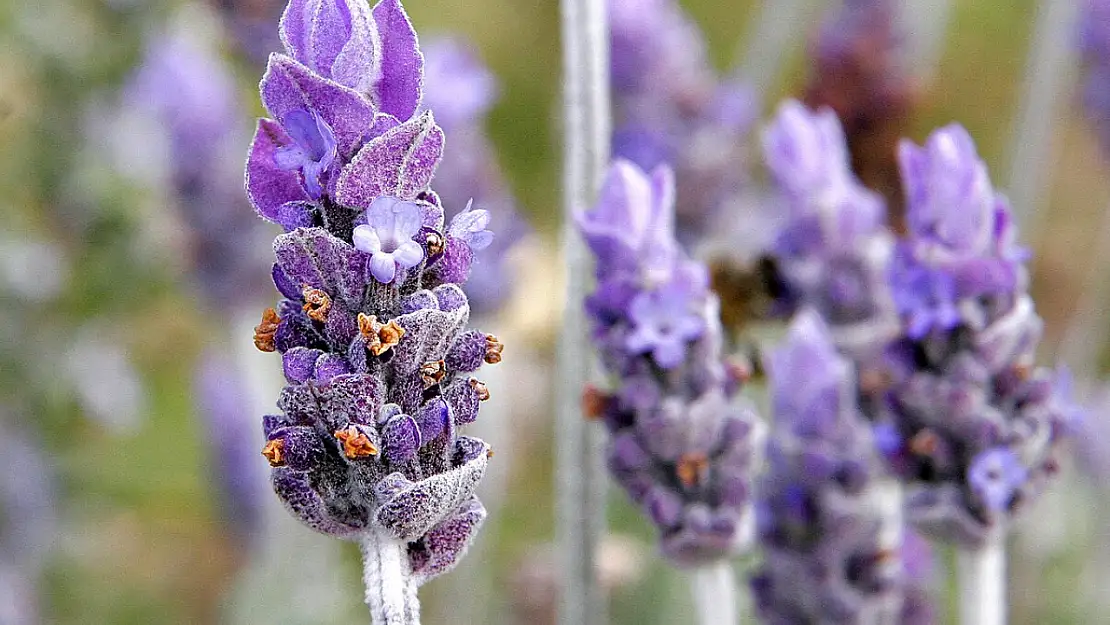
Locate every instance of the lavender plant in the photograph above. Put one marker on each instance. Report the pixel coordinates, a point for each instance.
(975, 426)
(832, 249)
(681, 444)
(372, 327)
(829, 532)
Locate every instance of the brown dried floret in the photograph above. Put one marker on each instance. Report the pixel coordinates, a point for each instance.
(317, 304)
(380, 337)
(432, 373)
(480, 389)
(494, 347)
(356, 444)
(264, 332)
(273, 451)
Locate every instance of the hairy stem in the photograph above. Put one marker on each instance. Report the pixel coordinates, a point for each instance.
(579, 471)
(982, 578)
(714, 590)
(390, 589)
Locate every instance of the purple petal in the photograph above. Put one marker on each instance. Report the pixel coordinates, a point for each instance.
(409, 254)
(288, 86)
(400, 87)
(268, 185)
(383, 267)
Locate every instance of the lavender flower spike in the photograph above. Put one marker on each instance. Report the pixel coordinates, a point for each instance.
(832, 251)
(681, 444)
(372, 327)
(976, 425)
(829, 554)
(1094, 46)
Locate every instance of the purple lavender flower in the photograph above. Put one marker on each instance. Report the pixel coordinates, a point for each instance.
(832, 250)
(388, 237)
(312, 151)
(829, 554)
(682, 446)
(461, 90)
(671, 108)
(372, 327)
(978, 425)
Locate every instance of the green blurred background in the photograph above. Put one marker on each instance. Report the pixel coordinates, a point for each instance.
(138, 536)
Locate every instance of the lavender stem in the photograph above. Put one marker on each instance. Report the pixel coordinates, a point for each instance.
(714, 590)
(579, 471)
(982, 576)
(390, 589)
(1049, 72)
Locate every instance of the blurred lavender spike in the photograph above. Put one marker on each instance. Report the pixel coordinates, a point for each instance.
(224, 406)
(580, 478)
(861, 69)
(829, 532)
(251, 24)
(1094, 48)
(671, 108)
(190, 89)
(832, 250)
(461, 90)
(1050, 72)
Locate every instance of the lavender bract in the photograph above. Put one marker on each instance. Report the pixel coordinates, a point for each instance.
(973, 426)
(681, 444)
(373, 325)
(825, 524)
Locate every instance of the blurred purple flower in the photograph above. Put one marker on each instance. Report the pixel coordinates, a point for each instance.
(681, 444)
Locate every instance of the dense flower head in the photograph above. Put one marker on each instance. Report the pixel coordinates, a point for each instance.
(830, 554)
(1094, 46)
(372, 327)
(681, 445)
(832, 249)
(961, 241)
(461, 90)
(969, 422)
(671, 108)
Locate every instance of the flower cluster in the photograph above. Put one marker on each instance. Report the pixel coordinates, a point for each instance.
(1094, 46)
(859, 71)
(373, 325)
(832, 250)
(682, 445)
(672, 109)
(830, 532)
(969, 421)
(461, 90)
